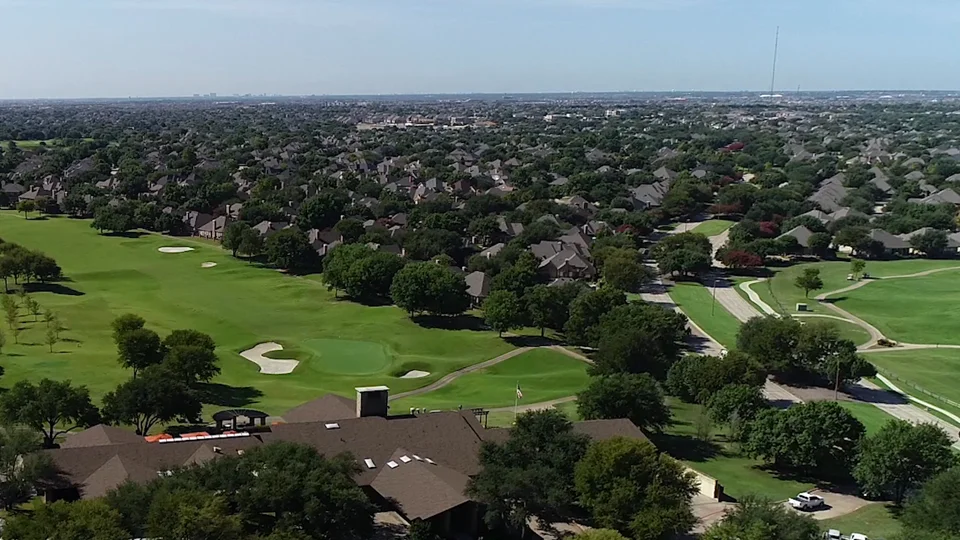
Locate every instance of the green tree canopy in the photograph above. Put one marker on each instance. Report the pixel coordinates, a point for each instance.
(755, 518)
(585, 312)
(624, 395)
(639, 338)
(429, 288)
(154, 397)
(53, 408)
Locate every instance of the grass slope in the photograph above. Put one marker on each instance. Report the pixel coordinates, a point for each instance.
(712, 227)
(870, 416)
(719, 458)
(543, 375)
(238, 304)
(697, 302)
(934, 370)
(916, 310)
(875, 521)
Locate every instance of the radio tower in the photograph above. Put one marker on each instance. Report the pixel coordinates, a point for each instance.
(776, 47)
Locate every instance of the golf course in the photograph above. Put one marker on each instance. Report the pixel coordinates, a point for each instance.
(339, 344)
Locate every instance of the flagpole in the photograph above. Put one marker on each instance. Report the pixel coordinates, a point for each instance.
(516, 402)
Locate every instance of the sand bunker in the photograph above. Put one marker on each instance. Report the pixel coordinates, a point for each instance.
(415, 374)
(174, 249)
(208, 265)
(269, 366)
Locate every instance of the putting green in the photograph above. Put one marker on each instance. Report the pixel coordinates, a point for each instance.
(345, 357)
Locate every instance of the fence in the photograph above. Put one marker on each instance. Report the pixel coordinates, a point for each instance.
(924, 391)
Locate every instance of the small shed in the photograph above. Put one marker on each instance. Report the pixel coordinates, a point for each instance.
(237, 418)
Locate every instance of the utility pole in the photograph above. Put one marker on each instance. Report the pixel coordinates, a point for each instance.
(776, 50)
(713, 306)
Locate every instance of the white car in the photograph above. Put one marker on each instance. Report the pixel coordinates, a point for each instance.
(806, 501)
(833, 534)
(858, 536)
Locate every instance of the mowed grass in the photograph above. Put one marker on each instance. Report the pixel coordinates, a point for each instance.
(237, 303)
(869, 415)
(876, 521)
(543, 375)
(34, 144)
(697, 303)
(916, 310)
(721, 459)
(712, 227)
(846, 329)
(934, 370)
(782, 295)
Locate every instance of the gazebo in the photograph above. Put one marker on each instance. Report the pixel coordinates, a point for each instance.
(236, 418)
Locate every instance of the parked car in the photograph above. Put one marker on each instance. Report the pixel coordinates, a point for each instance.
(858, 536)
(833, 534)
(806, 501)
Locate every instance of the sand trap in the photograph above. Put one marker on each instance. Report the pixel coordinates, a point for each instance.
(269, 366)
(415, 374)
(174, 249)
(208, 265)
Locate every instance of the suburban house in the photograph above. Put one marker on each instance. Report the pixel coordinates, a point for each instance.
(649, 195)
(413, 466)
(270, 228)
(945, 196)
(892, 245)
(564, 260)
(214, 228)
(831, 192)
(801, 233)
(195, 220)
(478, 287)
(324, 241)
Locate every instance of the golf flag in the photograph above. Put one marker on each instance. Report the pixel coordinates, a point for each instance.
(519, 393)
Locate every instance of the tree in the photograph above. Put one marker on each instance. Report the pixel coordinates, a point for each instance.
(639, 338)
(51, 407)
(26, 207)
(936, 508)
(809, 280)
(188, 514)
(900, 457)
(736, 405)
(585, 312)
(685, 253)
(350, 230)
(189, 338)
(113, 219)
(251, 243)
(371, 276)
(819, 243)
(695, 378)
(623, 270)
(756, 518)
(62, 520)
(549, 307)
(503, 311)
(290, 249)
(191, 364)
(425, 244)
(624, 395)
(531, 473)
(629, 487)
(51, 338)
(517, 277)
(931, 243)
(323, 210)
(857, 266)
(772, 340)
(139, 349)
(22, 468)
(233, 236)
(34, 308)
(820, 438)
(10, 310)
(738, 258)
(600, 534)
(154, 397)
(125, 323)
(3, 341)
(429, 288)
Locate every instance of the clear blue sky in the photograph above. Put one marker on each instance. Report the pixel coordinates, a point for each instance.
(120, 48)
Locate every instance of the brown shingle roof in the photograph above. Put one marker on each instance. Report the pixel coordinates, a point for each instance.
(420, 490)
(325, 408)
(100, 435)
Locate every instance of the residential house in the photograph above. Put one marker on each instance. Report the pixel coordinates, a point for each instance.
(324, 241)
(664, 174)
(510, 229)
(195, 220)
(478, 287)
(649, 195)
(945, 196)
(214, 228)
(801, 233)
(892, 245)
(270, 228)
(830, 193)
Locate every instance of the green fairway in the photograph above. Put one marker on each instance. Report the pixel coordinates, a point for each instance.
(543, 375)
(876, 521)
(720, 459)
(915, 310)
(847, 329)
(869, 415)
(341, 344)
(782, 295)
(696, 301)
(34, 144)
(934, 370)
(712, 227)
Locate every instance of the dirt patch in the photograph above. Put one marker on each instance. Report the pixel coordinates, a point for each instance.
(208, 265)
(269, 366)
(180, 249)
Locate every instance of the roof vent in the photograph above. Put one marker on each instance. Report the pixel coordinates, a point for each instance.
(393, 464)
(430, 461)
(405, 459)
(333, 425)
(369, 463)
(217, 450)
(416, 457)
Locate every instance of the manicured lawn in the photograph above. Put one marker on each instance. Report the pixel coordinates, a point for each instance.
(721, 459)
(341, 344)
(506, 418)
(712, 227)
(848, 330)
(543, 375)
(782, 295)
(876, 521)
(916, 310)
(934, 370)
(697, 302)
(34, 144)
(870, 416)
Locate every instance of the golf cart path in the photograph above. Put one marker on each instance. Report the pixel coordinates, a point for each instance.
(450, 377)
(542, 406)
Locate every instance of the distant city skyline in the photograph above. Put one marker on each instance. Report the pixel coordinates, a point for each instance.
(160, 48)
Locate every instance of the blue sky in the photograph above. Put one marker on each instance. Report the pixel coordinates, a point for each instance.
(120, 48)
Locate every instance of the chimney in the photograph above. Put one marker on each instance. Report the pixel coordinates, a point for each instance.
(372, 401)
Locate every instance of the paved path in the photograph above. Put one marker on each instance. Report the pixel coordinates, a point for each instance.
(899, 408)
(542, 406)
(755, 298)
(450, 377)
(727, 296)
(701, 342)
